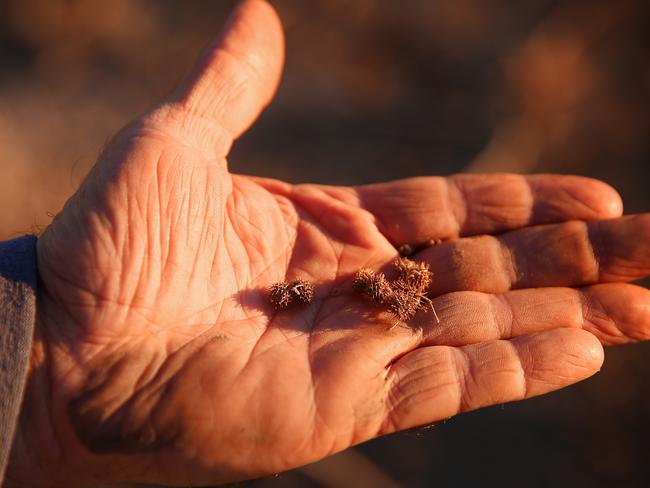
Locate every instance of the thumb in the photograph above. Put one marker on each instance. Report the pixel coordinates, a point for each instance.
(237, 74)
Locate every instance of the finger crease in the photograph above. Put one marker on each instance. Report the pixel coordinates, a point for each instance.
(461, 365)
(508, 263)
(457, 203)
(523, 387)
(502, 306)
(595, 248)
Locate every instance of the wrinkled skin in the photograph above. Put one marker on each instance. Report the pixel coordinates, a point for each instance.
(159, 359)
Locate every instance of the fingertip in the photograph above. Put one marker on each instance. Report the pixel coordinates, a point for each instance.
(237, 75)
(558, 358)
(600, 197)
(581, 352)
(255, 24)
(593, 351)
(611, 204)
(616, 204)
(256, 14)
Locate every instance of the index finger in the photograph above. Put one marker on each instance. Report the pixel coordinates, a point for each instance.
(416, 210)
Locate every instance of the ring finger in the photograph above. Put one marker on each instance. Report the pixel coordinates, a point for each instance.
(569, 254)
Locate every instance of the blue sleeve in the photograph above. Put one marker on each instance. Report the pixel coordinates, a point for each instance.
(18, 285)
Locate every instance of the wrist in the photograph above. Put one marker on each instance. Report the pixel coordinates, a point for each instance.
(37, 458)
(20, 349)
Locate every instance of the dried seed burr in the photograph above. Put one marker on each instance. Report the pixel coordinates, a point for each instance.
(361, 280)
(403, 304)
(279, 295)
(414, 278)
(302, 290)
(405, 296)
(372, 285)
(408, 250)
(403, 289)
(415, 274)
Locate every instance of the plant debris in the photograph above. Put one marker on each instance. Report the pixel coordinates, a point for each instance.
(408, 250)
(279, 295)
(404, 296)
(302, 290)
(283, 293)
(373, 285)
(404, 304)
(415, 275)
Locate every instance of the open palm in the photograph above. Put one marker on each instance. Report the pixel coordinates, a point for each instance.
(166, 363)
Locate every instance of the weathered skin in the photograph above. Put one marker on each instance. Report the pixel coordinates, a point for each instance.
(159, 359)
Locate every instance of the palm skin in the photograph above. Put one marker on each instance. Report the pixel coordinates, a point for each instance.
(164, 361)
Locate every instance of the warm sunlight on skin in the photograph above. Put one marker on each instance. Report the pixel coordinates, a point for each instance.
(159, 359)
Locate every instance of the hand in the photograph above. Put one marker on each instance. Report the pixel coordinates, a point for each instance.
(159, 359)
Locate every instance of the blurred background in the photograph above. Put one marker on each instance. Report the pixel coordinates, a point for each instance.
(375, 90)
